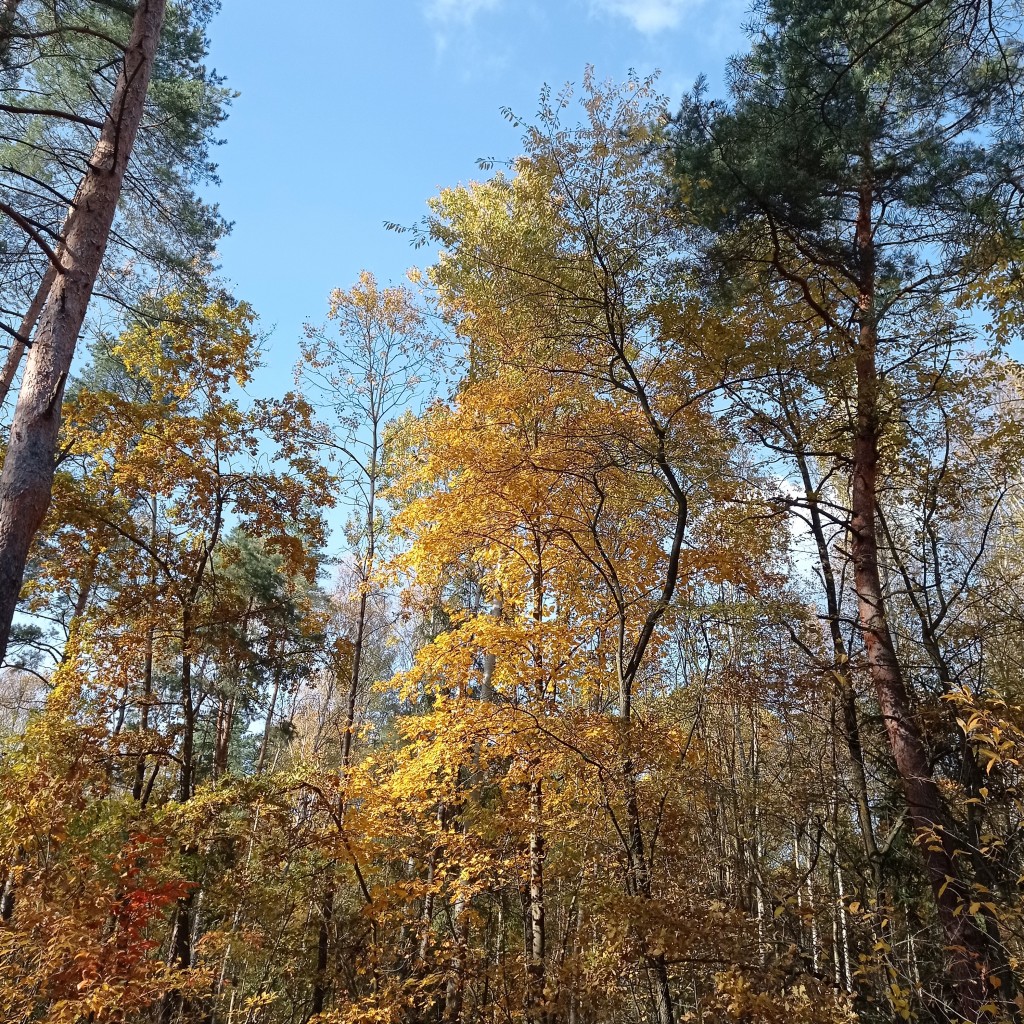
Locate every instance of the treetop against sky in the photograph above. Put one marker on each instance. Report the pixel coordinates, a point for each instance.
(389, 102)
(671, 669)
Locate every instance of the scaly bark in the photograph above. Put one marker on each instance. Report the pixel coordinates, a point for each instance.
(27, 478)
(970, 949)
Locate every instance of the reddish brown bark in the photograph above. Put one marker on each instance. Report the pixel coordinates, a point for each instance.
(970, 950)
(27, 477)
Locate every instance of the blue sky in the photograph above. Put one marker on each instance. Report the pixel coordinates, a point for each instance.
(352, 114)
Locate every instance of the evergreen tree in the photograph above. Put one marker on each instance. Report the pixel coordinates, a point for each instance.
(867, 160)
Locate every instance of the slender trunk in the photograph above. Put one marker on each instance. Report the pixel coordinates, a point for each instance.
(844, 936)
(27, 478)
(968, 946)
(320, 979)
(180, 952)
(842, 677)
(455, 989)
(81, 602)
(222, 743)
(28, 325)
(7, 16)
(798, 870)
(639, 870)
(534, 1001)
(270, 718)
(427, 917)
(321, 985)
(7, 894)
(353, 683)
(147, 667)
(147, 697)
(185, 780)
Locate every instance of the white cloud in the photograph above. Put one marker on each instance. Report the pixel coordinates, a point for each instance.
(646, 15)
(458, 11)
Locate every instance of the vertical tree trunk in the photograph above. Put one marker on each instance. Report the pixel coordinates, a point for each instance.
(320, 979)
(27, 477)
(188, 733)
(271, 707)
(321, 986)
(179, 957)
(353, 682)
(639, 869)
(138, 786)
(455, 989)
(8, 13)
(968, 946)
(534, 1001)
(7, 894)
(28, 325)
(180, 952)
(842, 677)
(147, 696)
(225, 724)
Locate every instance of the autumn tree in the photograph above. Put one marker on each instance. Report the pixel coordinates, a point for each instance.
(866, 188)
(74, 249)
(565, 480)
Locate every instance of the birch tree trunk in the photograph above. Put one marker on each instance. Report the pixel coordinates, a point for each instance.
(27, 477)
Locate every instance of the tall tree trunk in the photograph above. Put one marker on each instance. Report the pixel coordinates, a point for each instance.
(27, 478)
(969, 947)
(147, 696)
(28, 325)
(841, 674)
(640, 872)
(179, 957)
(271, 707)
(455, 989)
(8, 13)
(321, 984)
(225, 724)
(534, 997)
(180, 946)
(138, 786)
(353, 682)
(188, 714)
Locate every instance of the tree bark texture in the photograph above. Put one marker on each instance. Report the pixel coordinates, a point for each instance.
(27, 477)
(970, 948)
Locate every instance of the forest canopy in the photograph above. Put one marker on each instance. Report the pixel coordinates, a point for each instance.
(619, 621)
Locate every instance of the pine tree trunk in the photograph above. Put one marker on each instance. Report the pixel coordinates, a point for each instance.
(27, 477)
(927, 814)
(7, 15)
(225, 725)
